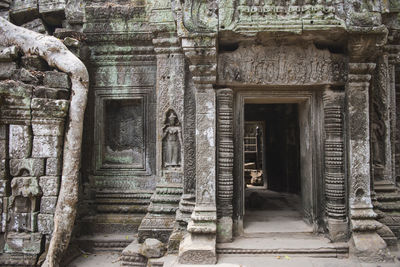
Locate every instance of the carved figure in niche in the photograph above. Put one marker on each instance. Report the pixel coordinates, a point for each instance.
(172, 141)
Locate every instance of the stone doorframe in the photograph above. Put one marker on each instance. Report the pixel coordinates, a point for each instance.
(311, 143)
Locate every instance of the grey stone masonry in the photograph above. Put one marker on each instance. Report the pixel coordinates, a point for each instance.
(33, 109)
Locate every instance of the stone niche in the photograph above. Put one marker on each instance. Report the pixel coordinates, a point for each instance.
(123, 134)
(121, 137)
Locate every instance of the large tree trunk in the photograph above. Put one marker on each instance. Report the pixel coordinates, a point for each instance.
(57, 55)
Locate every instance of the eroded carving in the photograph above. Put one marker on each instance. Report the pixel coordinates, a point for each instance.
(289, 65)
(124, 135)
(172, 141)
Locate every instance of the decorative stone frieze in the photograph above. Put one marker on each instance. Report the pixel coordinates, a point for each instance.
(290, 65)
(285, 16)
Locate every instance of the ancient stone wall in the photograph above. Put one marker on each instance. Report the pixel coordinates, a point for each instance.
(34, 106)
(164, 80)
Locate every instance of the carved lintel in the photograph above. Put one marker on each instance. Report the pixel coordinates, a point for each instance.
(280, 64)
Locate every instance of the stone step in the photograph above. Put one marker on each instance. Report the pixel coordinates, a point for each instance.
(388, 197)
(309, 246)
(389, 206)
(111, 223)
(304, 235)
(166, 199)
(105, 242)
(385, 186)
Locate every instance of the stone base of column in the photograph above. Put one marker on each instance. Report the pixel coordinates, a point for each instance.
(387, 205)
(224, 230)
(186, 206)
(199, 245)
(338, 230)
(176, 238)
(370, 247)
(198, 249)
(160, 220)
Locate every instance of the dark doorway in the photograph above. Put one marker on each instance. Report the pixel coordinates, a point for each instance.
(271, 154)
(276, 147)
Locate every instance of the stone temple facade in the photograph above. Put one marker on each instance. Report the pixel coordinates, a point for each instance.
(178, 89)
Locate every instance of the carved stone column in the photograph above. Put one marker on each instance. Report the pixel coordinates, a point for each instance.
(225, 165)
(368, 244)
(387, 193)
(335, 192)
(160, 218)
(381, 142)
(199, 245)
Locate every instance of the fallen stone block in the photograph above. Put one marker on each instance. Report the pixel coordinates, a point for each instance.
(130, 256)
(152, 248)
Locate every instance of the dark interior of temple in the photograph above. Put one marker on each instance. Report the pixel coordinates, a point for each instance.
(271, 147)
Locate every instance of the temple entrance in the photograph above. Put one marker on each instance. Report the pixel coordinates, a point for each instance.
(272, 169)
(277, 168)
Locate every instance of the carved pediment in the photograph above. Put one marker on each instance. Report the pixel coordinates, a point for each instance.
(280, 65)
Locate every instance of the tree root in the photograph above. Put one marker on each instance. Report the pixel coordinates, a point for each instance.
(57, 55)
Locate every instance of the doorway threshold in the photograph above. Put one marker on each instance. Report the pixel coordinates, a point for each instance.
(270, 212)
(274, 226)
